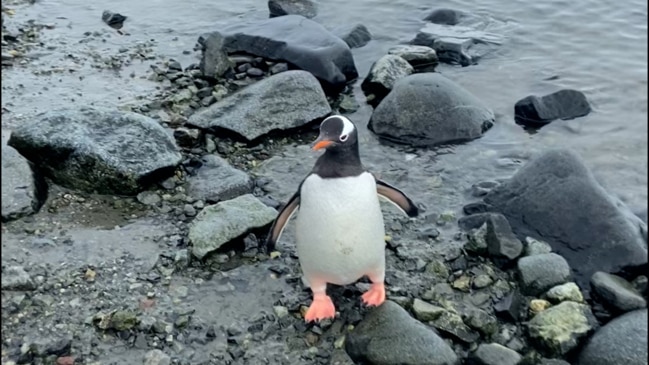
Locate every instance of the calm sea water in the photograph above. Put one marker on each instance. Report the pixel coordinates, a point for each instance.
(596, 46)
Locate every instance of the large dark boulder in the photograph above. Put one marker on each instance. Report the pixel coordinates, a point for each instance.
(556, 199)
(534, 111)
(98, 150)
(303, 43)
(428, 109)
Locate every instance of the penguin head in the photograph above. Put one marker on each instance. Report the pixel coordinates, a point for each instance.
(337, 133)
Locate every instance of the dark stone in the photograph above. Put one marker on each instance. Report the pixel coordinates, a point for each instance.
(382, 76)
(617, 294)
(389, 336)
(305, 8)
(283, 101)
(554, 198)
(493, 354)
(295, 39)
(23, 189)
(501, 241)
(187, 137)
(623, 341)
(428, 109)
(445, 16)
(509, 308)
(473, 221)
(453, 325)
(98, 150)
(214, 60)
(114, 20)
(534, 111)
(355, 36)
(474, 208)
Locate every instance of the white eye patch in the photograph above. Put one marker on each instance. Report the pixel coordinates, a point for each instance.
(348, 126)
(344, 137)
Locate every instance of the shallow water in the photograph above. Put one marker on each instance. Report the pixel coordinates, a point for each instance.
(594, 46)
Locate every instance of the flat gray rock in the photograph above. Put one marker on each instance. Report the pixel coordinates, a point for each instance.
(622, 341)
(422, 58)
(561, 328)
(214, 60)
(16, 278)
(539, 273)
(494, 354)
(216, 180)
(283, 101)
(23, 191)
(295, 39)
(616, 293)
(427, 109)
(97, 149)
(390, 336)
(556, 199)
(501, 241)
(220, 223)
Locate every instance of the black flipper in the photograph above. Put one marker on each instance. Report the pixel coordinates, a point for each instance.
(396, 197)
(282, 219)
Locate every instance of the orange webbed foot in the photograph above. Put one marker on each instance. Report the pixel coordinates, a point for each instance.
(321, 308)
(375, 296)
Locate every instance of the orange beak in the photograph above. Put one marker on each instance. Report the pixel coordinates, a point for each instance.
(321, 144)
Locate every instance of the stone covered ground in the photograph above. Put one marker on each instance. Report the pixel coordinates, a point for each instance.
(134, 235)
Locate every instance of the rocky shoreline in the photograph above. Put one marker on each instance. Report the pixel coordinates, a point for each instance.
(545, 267)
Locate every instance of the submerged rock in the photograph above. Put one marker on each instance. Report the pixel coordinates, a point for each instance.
(305, 8)
(355, 36)
(216, 180)
(616, 293)
(218, 224)
(623, 341)
(428, 109)
(98, 150)
(297, 40)
(555, 198)
(561, 328)
(534, 111)
(23, 190)
(382, 76)
(283, 101)
(389, 336)
(457, 44)
(445, 16)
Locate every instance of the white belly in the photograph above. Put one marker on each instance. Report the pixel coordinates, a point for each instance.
(339, 229)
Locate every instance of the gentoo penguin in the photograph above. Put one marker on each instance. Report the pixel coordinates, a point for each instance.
(339, 227)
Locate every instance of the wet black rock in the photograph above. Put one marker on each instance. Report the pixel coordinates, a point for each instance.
(453, 325)
(457, 44)
(389, 336)
(283, 101)
(422, 58)
(534, 111)
(623, 341)
(305, 8)
(382, 76)
(475, 208)
(473, 221)
(214, 59)
(217, 180)
(96, 149)
(23, 190)
(428, 109)
(16, 278)
(493, 354)
(445, 16)
(501, 241)
(115, 20)
(539, 273)
(187, 137)
(617, 294)
(562, 328)
(301, 42)
(556, 199)
(356, 36)
(510, 306)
